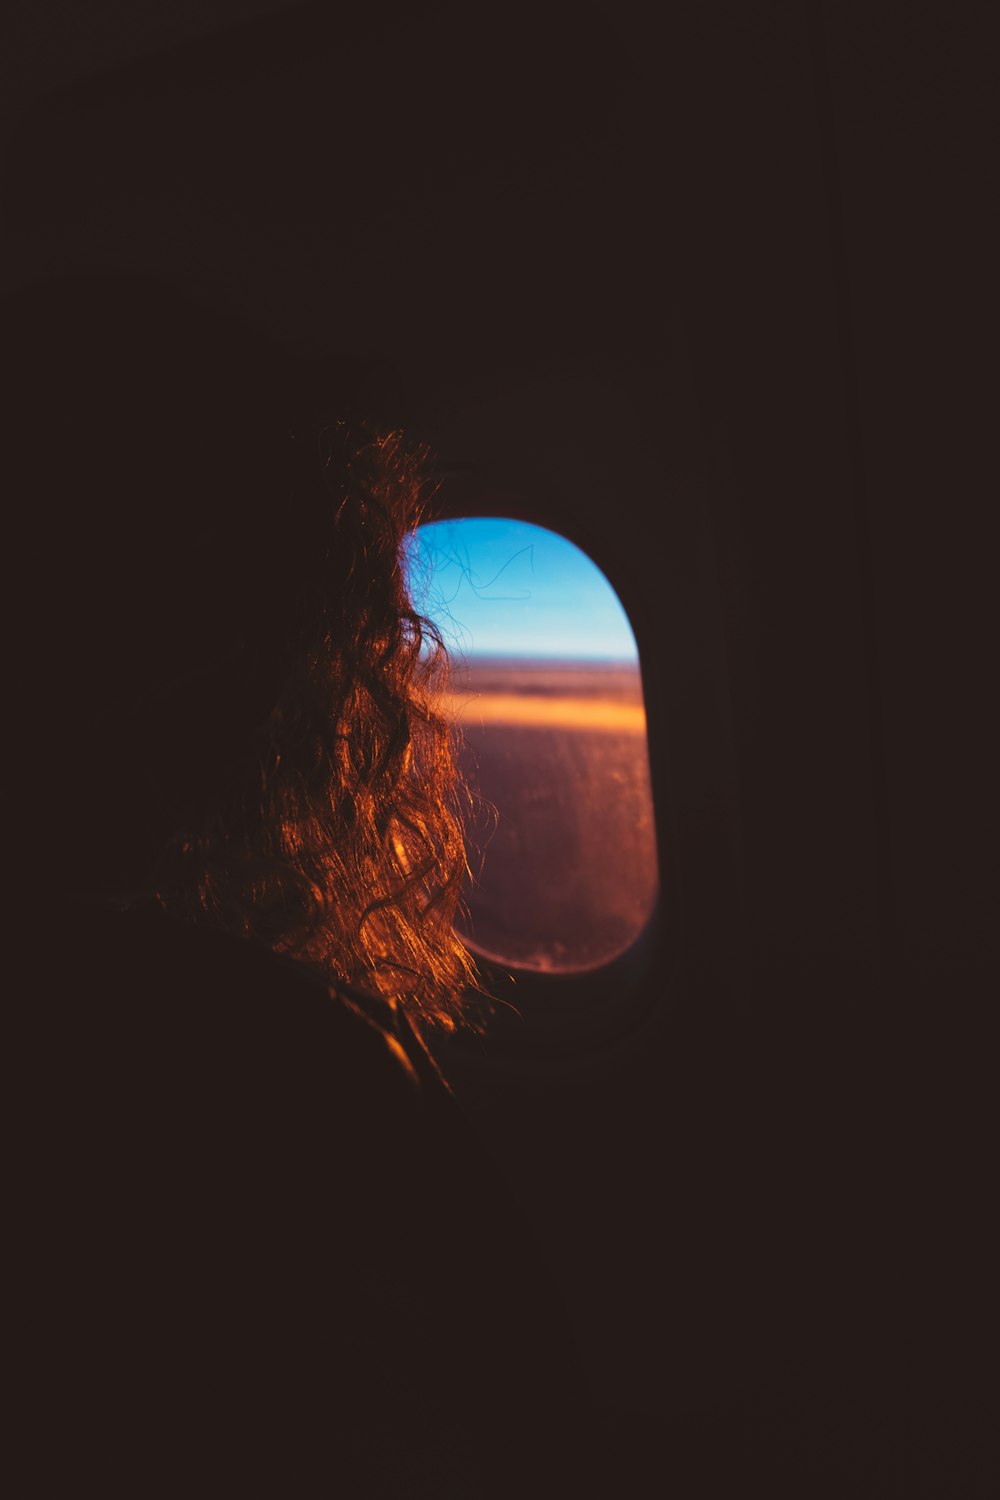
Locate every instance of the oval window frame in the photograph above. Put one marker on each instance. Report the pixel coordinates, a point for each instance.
(542, 1018)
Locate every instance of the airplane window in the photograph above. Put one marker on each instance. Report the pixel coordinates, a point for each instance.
(547, 691)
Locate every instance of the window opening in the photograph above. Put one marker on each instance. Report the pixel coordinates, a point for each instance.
(547, 694)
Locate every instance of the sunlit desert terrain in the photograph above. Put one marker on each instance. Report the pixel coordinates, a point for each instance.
(586, 697)
(569, 713)
(562, 843)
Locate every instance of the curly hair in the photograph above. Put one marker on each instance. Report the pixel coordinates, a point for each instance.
(341, 840)
(227, 659)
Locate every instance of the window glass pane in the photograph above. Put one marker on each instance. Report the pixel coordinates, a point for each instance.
(546, 688)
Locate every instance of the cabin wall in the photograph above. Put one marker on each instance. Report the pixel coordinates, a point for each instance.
(701, 290)
(744, 1201)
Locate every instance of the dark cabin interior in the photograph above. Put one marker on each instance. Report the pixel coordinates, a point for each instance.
(705, 289)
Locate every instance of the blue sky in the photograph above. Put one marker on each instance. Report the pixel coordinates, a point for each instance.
(501, 587)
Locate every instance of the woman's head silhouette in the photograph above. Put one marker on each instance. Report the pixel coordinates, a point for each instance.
(226, 704)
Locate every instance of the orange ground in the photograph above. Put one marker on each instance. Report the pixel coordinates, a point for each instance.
(566, 713)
